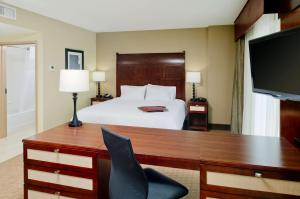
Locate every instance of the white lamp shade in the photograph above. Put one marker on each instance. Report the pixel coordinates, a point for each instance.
(99, 76)
(74, 81)
(193, 77)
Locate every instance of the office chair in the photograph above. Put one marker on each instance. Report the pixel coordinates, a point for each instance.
(128, 180)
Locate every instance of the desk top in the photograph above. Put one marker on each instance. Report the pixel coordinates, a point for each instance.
(187, 148)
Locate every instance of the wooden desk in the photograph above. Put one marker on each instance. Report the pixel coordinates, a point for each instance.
(263, 167)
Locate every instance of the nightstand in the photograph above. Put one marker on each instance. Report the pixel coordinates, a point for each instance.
(198, 116)
(96, 100)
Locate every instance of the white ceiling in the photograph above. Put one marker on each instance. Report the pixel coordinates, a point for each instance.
(8, 30)
(129, 15)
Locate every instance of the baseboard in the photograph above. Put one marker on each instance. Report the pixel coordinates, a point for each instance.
(221, 127)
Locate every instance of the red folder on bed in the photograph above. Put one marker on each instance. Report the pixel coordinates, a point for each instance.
(151, 109)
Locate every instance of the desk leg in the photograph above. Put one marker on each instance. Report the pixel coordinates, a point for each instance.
(202, 182)
(103, 176)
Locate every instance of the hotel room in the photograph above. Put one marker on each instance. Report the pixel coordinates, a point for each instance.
(137, 99)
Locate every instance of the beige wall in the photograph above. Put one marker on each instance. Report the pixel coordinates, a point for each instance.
(52, 38)
(220, 72)
(210, 50)
(202, 46)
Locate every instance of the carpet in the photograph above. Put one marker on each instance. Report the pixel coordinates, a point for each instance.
(11, 179)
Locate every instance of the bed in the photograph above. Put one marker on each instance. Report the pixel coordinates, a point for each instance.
(165, 69)
(126, 112)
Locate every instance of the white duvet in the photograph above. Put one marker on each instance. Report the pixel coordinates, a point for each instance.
(125, 112)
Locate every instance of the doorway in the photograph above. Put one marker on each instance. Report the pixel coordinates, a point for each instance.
(18, 95)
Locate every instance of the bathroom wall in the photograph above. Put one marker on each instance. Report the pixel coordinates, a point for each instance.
(20, 78)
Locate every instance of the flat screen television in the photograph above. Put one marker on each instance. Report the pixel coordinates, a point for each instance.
(275, 64)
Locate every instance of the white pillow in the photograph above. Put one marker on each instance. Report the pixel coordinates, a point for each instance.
(156, 92)
(133, 92)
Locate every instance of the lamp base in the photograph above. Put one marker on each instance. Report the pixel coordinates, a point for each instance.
(77, 123)
(194, 93)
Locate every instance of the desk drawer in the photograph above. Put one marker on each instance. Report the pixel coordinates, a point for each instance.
(41, 195)
(218, 195)
(51, 156)
(198, 108)
(60, 158)
(60, 179)
(244, 181)
(36, 192)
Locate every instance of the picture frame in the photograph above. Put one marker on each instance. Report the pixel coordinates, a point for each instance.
(74, 59)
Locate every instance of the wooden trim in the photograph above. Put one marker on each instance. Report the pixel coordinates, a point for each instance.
(290, 20)
(250, 13)
(159, 161)
(254, 9)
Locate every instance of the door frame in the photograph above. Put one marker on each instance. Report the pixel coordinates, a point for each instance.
(3, 104)
(3, 96)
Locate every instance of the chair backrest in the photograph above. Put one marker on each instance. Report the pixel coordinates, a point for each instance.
(127, 178)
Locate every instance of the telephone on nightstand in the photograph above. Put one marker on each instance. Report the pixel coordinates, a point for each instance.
(199, 99)
(108, 96)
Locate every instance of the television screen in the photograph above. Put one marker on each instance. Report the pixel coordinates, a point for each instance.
(275, 64)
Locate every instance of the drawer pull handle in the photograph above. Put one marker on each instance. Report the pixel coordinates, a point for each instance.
(56, 150)
(57, 193)
(258, 175)
(57, 171)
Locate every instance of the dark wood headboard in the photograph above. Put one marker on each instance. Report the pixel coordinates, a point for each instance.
(167, 69)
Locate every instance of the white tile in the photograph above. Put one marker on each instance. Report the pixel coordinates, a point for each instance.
(12, 145)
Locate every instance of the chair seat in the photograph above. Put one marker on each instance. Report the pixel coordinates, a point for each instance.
(162, 187)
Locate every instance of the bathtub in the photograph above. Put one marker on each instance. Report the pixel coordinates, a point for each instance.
(17, 122)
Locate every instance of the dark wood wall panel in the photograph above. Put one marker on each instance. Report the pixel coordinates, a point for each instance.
(251, 12)
(166, 69)
(290, 20)
(290, 121)
(254, 9)
(289, 110)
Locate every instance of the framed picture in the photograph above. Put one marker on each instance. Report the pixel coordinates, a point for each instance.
(74, 59)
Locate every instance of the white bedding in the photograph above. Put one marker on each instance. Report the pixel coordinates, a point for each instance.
(125, 112)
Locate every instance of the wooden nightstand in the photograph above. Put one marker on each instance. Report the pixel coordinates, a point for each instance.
(198, 116)
(96, 100)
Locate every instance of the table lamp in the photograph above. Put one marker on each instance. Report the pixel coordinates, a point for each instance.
(98, 76)
(195, 78)
(74, 81)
